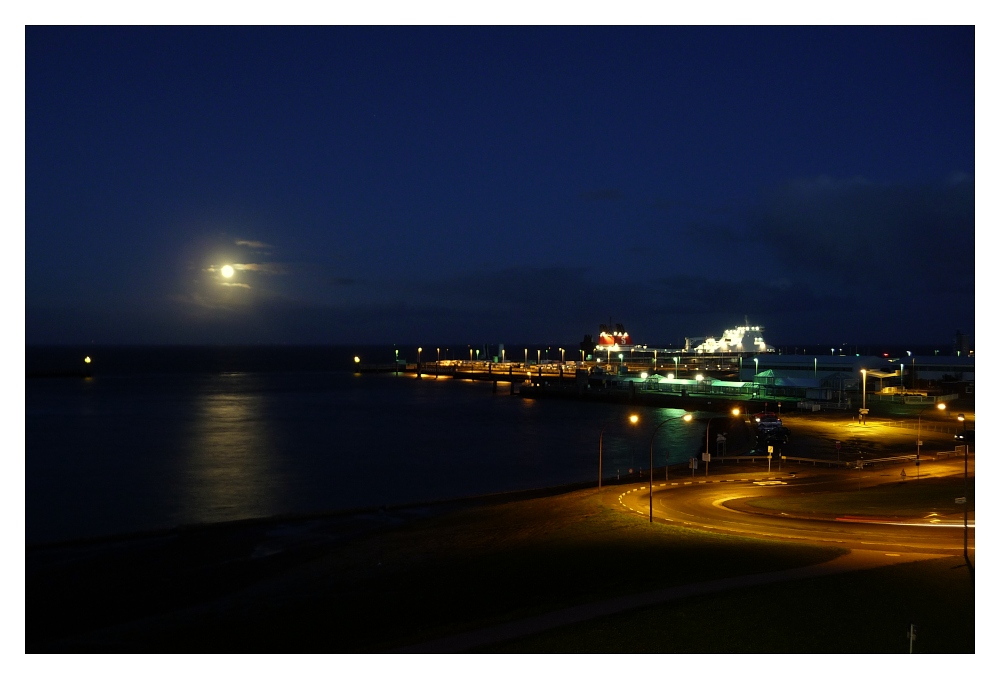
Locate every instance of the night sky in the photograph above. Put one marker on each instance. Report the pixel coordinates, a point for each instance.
(469, 185)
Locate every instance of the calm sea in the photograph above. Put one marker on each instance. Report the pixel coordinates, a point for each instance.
(161, 437)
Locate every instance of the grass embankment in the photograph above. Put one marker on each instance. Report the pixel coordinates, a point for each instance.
(861, 612)
(927, 497)
(457, 572)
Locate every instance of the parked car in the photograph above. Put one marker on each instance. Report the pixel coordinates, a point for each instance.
(960, 436)
(777, 436)
(767, 421)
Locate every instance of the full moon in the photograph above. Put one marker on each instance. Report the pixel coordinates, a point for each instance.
(227, 271)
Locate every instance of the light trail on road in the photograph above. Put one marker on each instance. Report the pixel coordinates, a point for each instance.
(719, 505)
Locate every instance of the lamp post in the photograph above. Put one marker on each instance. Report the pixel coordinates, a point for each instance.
(600, 452)
(939, 406)
(864, 387)
(965, 493)
(666, 464)
(419, 349)
(755, 366)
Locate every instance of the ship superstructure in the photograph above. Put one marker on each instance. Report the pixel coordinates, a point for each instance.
(742, 338)
(614, 338)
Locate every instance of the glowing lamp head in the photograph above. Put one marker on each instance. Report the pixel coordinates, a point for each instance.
(357, 359)
(86, 359)
(736, 411)
(941, 406)
(633, 418)
(643, 375)
(227, 271)
(688, 417)
(699, 377)
(961, 417)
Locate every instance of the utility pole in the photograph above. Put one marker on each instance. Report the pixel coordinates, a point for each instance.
(965, 494)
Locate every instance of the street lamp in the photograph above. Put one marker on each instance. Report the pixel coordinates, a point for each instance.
(939, 406)
(600, 451)
(666, 463)
(965, 492)
(864, 387)
(755, 366)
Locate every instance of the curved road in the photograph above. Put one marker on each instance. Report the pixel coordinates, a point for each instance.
(718, 503)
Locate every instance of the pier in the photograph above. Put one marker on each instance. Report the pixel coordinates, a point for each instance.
(579, 381)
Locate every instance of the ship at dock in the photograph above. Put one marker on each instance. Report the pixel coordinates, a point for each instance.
(741, 339)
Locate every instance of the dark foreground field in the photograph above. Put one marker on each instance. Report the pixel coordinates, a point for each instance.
(374, 583)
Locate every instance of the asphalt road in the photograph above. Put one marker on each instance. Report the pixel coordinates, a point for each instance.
(718, 503)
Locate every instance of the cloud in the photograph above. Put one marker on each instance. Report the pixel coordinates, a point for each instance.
(255, 244)
(271, 268)
(556, 305)
(868, 238)
(235, 285)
